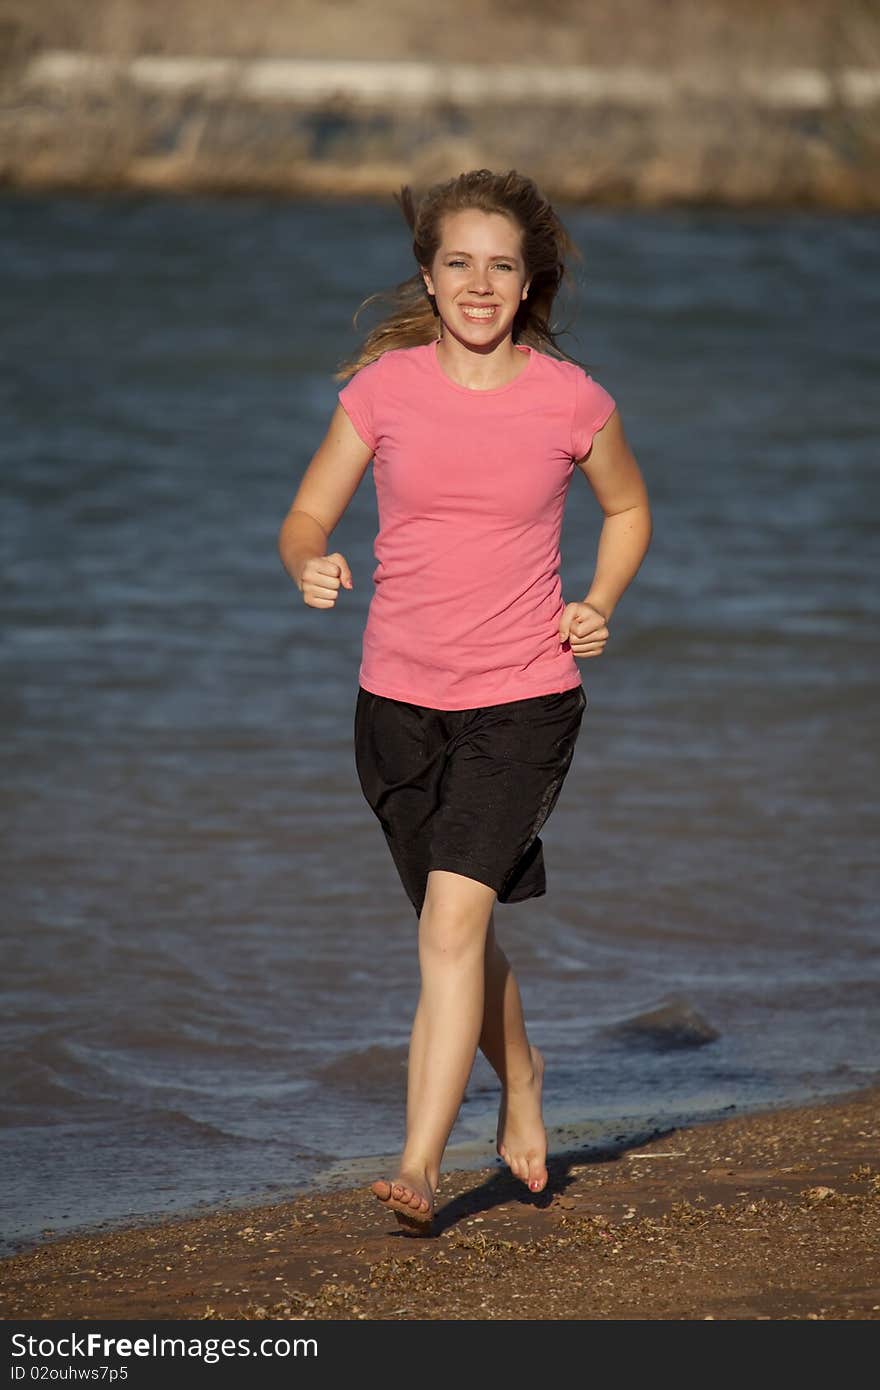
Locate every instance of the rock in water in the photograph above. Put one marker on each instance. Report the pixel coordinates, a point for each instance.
(673, 1024)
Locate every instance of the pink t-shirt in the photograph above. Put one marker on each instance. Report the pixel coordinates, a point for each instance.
(471, 488)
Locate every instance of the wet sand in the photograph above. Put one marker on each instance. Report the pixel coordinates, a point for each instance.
(772, 1215)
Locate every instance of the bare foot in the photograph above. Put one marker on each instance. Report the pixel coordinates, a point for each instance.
(521, 1137)
(411, 1198)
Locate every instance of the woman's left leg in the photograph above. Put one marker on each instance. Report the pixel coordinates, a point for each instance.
(521, 1139)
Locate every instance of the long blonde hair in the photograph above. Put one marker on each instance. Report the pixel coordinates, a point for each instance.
(413, 318)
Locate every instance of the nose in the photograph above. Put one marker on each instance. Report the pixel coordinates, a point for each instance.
(480, 281)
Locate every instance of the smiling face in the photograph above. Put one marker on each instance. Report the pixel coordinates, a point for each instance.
(478, 277)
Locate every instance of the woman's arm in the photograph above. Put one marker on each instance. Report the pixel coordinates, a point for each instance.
(612, 472)
(614, 476)
(327, 487)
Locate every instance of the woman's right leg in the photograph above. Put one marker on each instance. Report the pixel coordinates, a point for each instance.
(521, 1137)
(445, 1035)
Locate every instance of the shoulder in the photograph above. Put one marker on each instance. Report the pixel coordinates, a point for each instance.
(391, 363)
(570, 375)
(590, 404)
(575, 386)
(560, 367)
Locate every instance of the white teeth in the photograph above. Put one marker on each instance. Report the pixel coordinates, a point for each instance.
(479, 313)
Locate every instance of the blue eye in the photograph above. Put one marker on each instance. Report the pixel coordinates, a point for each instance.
(500, 265)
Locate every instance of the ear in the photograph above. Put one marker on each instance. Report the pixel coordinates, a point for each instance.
(429, 283)
(526, 289)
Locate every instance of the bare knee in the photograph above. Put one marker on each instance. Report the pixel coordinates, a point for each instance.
(497, 965)
(456, 916)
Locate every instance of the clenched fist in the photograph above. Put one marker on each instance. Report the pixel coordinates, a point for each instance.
(585, 629)
(321, 579)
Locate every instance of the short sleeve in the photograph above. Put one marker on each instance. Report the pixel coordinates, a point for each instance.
(357, 400)
(592, 408)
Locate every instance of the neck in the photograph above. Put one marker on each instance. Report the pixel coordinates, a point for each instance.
(480, 369)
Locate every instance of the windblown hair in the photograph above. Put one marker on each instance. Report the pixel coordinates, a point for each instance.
(545, 245)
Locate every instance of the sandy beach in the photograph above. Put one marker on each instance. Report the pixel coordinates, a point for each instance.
(772, 1215)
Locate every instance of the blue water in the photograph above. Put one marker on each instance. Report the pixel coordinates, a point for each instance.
(209, 965)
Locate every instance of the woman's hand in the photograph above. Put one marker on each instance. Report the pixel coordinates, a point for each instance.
(322, 577)
(585, 629)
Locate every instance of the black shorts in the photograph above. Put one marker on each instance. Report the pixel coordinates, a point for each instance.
(467, 790)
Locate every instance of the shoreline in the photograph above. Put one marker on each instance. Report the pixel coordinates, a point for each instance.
(607, 1130)
(770, 1214)
(703, 134)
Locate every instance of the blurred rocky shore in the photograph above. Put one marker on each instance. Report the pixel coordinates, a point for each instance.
(737, 111)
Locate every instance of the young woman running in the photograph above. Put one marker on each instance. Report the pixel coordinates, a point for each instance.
(469, 701)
